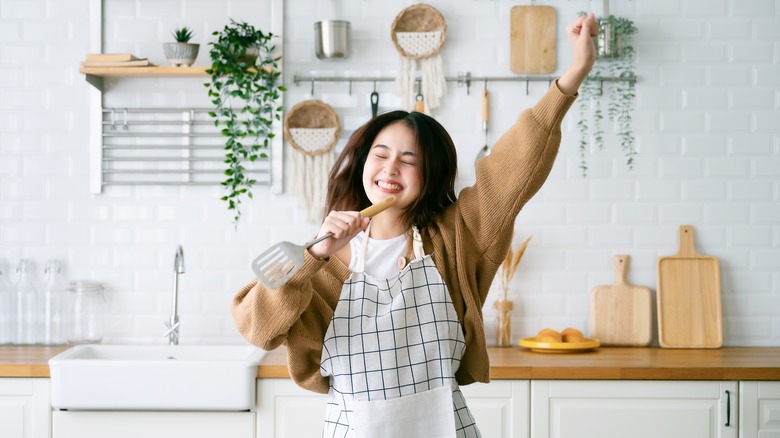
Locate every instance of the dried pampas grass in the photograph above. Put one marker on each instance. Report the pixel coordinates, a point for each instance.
(509, 266)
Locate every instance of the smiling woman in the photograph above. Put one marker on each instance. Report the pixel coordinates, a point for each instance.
(414, 327)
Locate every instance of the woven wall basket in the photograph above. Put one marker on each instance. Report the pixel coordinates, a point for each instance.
(419, 31)
(312, 127)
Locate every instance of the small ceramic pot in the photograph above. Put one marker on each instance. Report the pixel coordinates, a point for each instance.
(181, 54)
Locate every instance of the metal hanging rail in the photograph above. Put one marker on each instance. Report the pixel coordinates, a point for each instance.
(463, 79)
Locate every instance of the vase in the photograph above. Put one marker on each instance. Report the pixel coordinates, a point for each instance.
(504, 329)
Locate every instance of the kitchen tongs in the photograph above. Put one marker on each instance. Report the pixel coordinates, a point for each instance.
(279, 263)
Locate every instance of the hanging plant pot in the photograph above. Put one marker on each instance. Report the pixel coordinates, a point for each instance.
(615, 51)
(614, 37)
(245, 88)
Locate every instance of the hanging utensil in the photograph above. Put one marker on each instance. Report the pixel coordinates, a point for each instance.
(374, 103)
(485, 150)
(276, 265)
(419, 101)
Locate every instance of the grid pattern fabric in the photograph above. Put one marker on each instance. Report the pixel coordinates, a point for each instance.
(391, 338)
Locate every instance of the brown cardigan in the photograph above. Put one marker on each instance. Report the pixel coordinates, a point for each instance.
(469, 240)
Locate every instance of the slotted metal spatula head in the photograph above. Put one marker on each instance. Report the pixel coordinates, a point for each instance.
(276, 265)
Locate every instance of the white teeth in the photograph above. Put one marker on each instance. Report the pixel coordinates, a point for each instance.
(387, 185)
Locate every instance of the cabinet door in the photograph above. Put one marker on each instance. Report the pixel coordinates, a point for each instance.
(94, 424)
(759, 409)
(500, 407)
(24, 408)
(286, 410)
(636, 409)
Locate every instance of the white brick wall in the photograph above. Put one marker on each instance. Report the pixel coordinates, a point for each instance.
(706, 124)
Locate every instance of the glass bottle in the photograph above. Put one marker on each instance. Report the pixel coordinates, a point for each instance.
(51, 305)
(86, 305)
(25, 296)
(7, 313)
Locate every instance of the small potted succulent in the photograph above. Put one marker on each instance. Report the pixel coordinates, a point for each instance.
(182, 52)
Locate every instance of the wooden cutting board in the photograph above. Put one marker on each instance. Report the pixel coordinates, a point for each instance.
(688, 297)
(621, 313)
(532, 39)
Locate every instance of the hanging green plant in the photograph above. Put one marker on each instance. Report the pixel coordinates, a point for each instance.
(245, 88)
(615, 60)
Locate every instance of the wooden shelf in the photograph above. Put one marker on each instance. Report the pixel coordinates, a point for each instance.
(141, 72)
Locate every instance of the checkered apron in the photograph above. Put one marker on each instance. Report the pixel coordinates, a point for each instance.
(395, 340)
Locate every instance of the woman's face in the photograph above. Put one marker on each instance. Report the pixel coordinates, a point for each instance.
(391, 166)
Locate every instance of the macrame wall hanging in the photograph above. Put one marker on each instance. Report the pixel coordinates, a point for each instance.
(419, 33)
(312, 129)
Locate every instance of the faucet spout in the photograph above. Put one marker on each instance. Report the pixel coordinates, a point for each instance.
(173, 323)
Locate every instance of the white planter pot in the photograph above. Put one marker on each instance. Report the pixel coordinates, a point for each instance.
(181, 54)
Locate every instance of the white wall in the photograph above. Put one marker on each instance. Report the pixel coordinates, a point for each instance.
(708, 108)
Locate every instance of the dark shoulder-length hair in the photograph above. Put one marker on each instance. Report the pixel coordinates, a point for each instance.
(436, 164)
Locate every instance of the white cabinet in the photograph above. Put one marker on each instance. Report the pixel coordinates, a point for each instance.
(285, 410)
(500, 407)
(24, 408)
(636, 409)
(759, 409)
(93, 424)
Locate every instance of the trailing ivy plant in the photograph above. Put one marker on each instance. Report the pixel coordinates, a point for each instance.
(616, 60)
(245, 88)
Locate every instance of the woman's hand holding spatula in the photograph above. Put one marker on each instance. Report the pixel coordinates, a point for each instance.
(344, 225)
(280, 262)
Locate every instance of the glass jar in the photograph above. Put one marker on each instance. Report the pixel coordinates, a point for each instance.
(25, 296)
(51, 305)
(86, 305)
(7, 311)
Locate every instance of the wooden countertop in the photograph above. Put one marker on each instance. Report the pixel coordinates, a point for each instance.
(605, 363)
(27, 361)
(611, 363)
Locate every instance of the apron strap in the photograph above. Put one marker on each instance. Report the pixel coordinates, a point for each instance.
(360, 264)
(417, 244)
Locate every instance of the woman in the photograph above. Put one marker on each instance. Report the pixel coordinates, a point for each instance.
(386, 316)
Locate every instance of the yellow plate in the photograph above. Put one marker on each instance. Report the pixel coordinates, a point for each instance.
(559, 347)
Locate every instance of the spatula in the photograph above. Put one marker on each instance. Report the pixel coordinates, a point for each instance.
(279, 263)
(485, 151)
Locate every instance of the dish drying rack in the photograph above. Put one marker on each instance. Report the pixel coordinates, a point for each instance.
(167, 146)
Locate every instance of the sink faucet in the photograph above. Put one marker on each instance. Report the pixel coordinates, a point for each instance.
(173, 323)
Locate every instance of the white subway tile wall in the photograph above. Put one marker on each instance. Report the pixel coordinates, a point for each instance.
(706, 125)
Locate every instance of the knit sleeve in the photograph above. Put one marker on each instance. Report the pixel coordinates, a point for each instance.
(296, 315)
(514, 171)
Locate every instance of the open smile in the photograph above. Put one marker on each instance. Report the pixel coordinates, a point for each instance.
(389, 185)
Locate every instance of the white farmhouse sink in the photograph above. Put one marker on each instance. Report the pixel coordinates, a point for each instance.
(152, 377)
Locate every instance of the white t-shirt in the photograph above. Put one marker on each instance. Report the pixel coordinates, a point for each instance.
(381, 255)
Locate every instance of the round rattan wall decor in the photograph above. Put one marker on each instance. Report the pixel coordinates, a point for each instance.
(312, 127)
(419, 31)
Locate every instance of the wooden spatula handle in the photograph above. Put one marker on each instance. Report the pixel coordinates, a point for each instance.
(379, 207)
(620, 262)
(485, 108)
